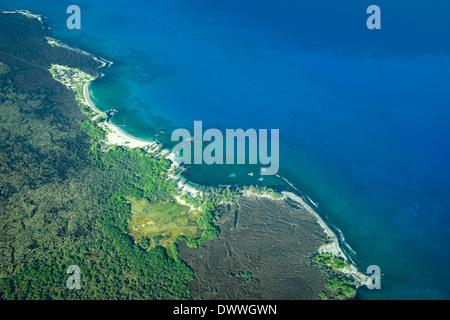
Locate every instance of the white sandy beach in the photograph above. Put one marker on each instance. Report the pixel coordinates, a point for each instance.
(116, 136)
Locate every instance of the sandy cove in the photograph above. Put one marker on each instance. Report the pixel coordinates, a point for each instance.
(117, 136)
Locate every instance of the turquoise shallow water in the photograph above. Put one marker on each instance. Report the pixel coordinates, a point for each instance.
(363, 115)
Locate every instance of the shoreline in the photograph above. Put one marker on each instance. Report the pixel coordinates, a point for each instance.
(115, 135)
(26, 13)
(119, 137)
(332, 245)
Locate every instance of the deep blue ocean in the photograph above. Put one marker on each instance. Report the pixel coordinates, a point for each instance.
(364, 115)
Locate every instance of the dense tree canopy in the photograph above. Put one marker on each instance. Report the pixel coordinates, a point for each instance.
(62, 203)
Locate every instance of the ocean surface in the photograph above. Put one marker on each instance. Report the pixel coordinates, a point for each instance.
(364, 115)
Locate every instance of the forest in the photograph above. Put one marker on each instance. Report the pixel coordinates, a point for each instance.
(64, 194)
(62, 200)
(63, 203)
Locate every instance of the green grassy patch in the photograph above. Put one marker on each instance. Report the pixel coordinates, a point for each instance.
(160, 223)
(329, 260)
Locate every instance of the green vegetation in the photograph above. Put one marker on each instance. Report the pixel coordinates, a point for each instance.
(68, 199)
(93, 130)
(54, 42)
(247, 275)
(323, 295)
(208, 202)
(195, 233)
(157, 239)
(162, 222)
(145, 243)
(78, 201)
(341, 286)
(329, 260)
(75, 79)
(338, 286)
(64, 202)
(263, 190)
